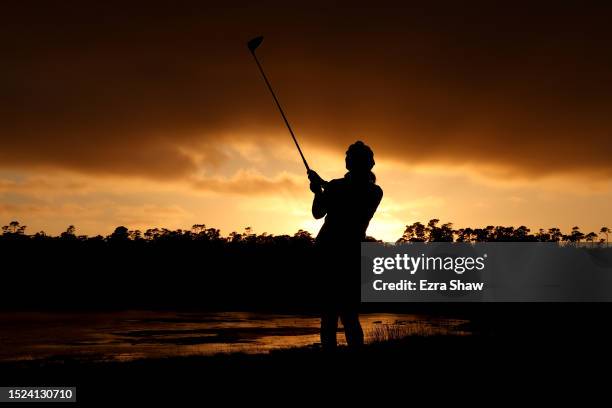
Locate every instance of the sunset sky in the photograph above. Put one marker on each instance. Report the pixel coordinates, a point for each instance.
(154, 114)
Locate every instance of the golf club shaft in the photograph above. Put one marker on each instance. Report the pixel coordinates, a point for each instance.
(280, 109)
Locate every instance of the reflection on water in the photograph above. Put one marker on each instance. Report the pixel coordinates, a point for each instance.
(133, 335)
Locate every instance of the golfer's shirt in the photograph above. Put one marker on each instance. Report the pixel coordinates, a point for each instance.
(350, 207)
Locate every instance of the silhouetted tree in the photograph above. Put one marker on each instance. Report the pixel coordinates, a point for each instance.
(120, 234)
(14, 228)
(416, 232)
(465, 234)
(152, 233)
(576, 236)
(235, 237)
(605, 231)
(304, 235)
(443, 233)
(590, 237)
(211, 234)
(40, 235)
(69, 233)
(522, 234)
(542, 236)
(555, 234)
(135, 235)
(198, 228)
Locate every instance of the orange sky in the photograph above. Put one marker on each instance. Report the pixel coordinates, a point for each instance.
(148, 115)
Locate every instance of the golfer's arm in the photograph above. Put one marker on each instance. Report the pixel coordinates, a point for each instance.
(319, 205)
(369, 213)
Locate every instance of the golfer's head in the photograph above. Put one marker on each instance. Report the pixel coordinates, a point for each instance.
(359, 158)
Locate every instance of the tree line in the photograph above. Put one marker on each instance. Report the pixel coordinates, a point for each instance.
(194, 268)
(433, 231)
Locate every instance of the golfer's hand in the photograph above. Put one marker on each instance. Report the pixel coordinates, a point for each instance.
(316, 182)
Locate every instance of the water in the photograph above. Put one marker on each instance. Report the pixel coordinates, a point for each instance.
(130, 335)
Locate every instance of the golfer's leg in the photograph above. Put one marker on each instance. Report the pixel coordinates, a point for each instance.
(352, 328)
(329, 327)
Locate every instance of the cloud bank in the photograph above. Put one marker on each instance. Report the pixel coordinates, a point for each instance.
(145, 90)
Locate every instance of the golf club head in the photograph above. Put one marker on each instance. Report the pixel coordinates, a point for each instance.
(254, 43)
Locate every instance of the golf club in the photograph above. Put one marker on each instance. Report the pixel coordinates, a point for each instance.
(252, 45)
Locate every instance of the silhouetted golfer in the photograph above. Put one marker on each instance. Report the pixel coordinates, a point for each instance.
(348, 205)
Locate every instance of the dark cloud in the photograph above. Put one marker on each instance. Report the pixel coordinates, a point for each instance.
(134, 89)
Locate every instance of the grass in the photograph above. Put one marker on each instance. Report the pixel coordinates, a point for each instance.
(384, 332)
